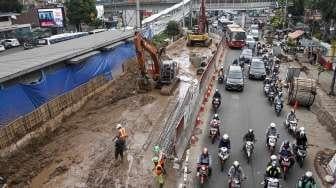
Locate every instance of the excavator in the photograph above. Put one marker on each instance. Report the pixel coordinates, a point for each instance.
(199, 35)
(163, 72)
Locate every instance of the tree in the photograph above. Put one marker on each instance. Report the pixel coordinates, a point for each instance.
(10, 6)
(172, 28)
(81, 11)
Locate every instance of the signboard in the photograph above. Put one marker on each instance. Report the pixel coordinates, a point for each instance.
(53, 17)
(100, 11)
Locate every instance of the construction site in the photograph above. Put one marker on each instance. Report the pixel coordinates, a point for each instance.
(76, 147)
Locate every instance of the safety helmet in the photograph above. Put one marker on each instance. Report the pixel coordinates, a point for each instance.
(205, 150)
(236, 164)
(216, 115)
(274, 163)
(118, 126)
(250, 130)
(302, 129)
(308, 174)
(225, 136)
(286, 143)
(155, 159)
(274, 157)
(273, 125)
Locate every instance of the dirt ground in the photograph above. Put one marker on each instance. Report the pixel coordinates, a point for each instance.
(80, 151)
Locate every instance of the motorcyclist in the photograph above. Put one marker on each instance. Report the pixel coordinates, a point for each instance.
(236, 171)
(291, 117)
(221, 71)
(217, 94)
(271, 130)
(301, 140)
(273, 158)
(249, 136)
(272, 171)
(225, 142)
(219, 101)
(307, 181)
(204, 159)
(278, 98)
(215, 123)
(285, 151)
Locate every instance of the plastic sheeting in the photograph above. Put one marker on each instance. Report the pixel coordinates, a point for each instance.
(20, 99)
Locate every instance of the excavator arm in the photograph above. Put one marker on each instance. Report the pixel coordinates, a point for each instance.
(142, 45)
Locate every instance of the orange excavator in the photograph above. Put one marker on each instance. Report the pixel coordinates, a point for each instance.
(162, 72)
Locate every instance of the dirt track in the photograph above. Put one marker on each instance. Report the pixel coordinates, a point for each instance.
(80, 152)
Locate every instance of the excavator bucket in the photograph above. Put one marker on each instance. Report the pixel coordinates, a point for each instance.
(144, 84)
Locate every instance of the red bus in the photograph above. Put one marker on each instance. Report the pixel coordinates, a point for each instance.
(235, 36)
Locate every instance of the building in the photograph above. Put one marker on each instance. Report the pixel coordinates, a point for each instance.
(9, 28)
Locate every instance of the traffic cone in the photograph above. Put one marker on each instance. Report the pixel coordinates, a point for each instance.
(198, 121)
(193, 140)
(202, 108)
(296, 105)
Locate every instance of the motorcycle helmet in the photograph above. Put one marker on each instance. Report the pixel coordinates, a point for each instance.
(216, 90)
(155, 159)
(273, 125)
(216, 116)
(236, 164)
(293, 110)
(205, 150)
(250, 130)
(274, 157)
(118, 126)
(280, 94)
(302, 133)
(302, 129)
(225, 136)
(274, 163)
(308, 174)
(286, 144)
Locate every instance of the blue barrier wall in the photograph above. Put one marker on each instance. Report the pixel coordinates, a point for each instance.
(20, 99)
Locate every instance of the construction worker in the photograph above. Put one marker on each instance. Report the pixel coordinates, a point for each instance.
(119, 148)
(122, 134)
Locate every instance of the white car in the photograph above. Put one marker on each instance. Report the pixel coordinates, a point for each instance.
(2, 48)
(10, 43)
(255, 34)
(250, 42)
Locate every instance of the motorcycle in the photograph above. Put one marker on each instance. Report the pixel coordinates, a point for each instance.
(220, 79)
(223, 155)
(271, 96)
(292, 127)
(266, 89)
(235, 183)
(272, 183)
(311, 185)
(300, 155)
(203, 174)
(272, 140)
(285, 165)
(213, 131)
(215, 104)
(278, 108)
(248, 150)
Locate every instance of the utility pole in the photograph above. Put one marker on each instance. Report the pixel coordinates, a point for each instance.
(183, 23)
(138, 15)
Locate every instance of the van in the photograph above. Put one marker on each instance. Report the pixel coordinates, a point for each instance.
(10, 43)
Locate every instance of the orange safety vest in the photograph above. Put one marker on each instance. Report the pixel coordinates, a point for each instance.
(122, 133)
(158, 170)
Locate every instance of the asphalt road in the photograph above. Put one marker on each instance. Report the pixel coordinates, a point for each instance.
(239, 112)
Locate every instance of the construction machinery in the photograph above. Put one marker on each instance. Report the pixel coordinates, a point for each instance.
(200, 36)
(162, 72)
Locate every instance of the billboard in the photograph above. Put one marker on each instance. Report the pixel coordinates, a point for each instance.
(53, 17)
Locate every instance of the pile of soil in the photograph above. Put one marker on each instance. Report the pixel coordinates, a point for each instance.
(27, 162)
(321, 161)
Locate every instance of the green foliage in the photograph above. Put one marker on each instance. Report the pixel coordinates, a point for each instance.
(291, 42)
(172, 28)
(277, 22)
(10, 6)
(159, 39)
(81, 11)
(97, 23)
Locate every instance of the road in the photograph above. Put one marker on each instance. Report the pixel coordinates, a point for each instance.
(238, 113)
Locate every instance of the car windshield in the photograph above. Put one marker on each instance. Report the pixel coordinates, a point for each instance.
(235, 75)
(257, 65)
(238, 35)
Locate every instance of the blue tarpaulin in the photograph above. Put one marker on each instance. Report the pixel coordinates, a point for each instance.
(20, 99)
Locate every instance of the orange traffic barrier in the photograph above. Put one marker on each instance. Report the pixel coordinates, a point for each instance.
(296, 105)
(193, 140)
(198, 121)
(202, 108)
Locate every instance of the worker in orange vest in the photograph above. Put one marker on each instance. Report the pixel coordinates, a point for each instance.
(122, 133)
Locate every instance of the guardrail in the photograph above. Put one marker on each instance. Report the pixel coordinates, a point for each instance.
(180, 124)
